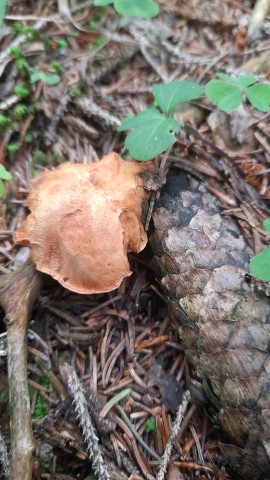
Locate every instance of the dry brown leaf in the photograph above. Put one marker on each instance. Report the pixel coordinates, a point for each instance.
(84, 220)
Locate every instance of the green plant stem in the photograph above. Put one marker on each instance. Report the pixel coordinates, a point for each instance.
(113, 401)
(135, 433)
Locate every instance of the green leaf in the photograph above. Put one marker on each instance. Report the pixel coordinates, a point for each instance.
(62, 43)
(266, 225)
(36, 76)
(3, 6)
(259, 96)
(227, 97)
(153, 134)
(150, 425)
(102, 3)
(138, 120)
(51, 79)
(2, 188)
(240, 81)
(260, 265)
(169, 95)
(137, 8)
(22, 91)
(4, 174)
(13, 147)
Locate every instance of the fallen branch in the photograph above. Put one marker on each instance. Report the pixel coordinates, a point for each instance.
(18, 292)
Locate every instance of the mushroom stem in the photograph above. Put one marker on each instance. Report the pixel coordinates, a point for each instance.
(18, 292)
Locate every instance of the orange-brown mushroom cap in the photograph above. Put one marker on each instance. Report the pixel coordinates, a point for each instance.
(84, 220)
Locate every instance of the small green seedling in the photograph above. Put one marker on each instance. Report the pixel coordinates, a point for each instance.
(32, 34)
(150, 425)
(22, 91)
(14, 147)
(76, 92)
(20, 111)
(5, 121)
(134, 8)
(260, 264)
(100, 41)
(62, 43)
(228, 92)
(57, 67)
(4, 175)
(21, 62)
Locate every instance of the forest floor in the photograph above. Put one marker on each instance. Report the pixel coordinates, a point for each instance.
(93, 69)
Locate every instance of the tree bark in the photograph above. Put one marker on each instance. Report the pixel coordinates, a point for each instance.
(224, 326)
(18, 291)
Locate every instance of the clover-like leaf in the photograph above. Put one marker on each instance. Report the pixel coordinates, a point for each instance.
(169, 95)
(36, 76)
(3, 6)
(259, 96)
(138, 120)
(239, 81)
(227, 97)
(153, 134)
(102, 3)
(260, 265)
(137, 8)
(51, 78)
(4, 174)
(2, 188)
(266, 225)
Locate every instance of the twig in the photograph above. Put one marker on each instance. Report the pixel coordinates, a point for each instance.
(90, 109)
(4, 460)
(90, 437)
(175, 430)
(8, 102)
(18, 292)
(258, 16)
(60, 109)
(154, 64)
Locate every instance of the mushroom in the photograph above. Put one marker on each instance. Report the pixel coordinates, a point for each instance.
(84, 220)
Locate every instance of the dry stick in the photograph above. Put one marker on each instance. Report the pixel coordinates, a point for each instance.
(175, 430)
(4, 460)
(18, 292)
(89, 433)
(258, 16)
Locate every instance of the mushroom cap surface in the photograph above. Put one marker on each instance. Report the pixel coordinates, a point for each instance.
(84, 220)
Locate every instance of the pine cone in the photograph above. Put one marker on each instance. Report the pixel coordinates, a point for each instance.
(223, 324)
